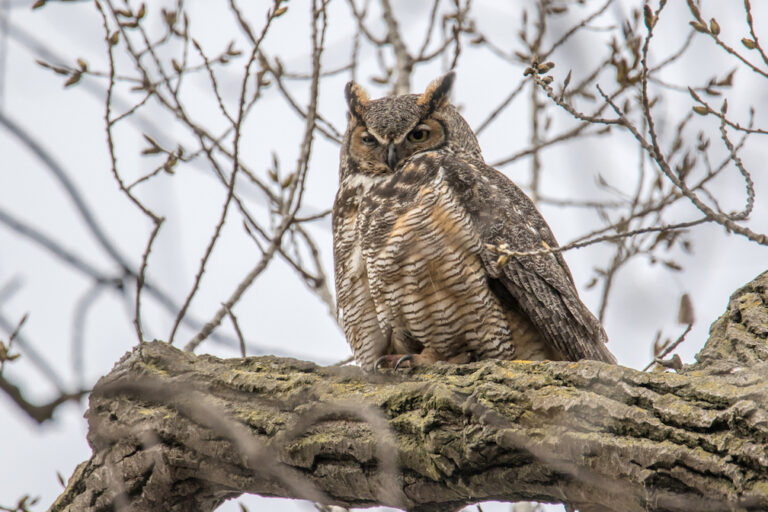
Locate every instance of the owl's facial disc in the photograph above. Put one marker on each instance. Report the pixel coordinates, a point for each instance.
(368, 151)
(375, 153)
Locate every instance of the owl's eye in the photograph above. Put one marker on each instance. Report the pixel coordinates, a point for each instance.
(368, 139)
(419, 134)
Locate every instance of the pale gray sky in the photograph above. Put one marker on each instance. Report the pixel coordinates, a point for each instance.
(278, 313)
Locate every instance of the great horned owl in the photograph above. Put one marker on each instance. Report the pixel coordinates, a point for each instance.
(415, 223)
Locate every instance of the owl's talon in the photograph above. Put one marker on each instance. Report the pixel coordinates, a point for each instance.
(392, 361)
(406, 357)
(380, 360)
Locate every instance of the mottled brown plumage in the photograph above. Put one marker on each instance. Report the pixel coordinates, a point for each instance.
(414, 219)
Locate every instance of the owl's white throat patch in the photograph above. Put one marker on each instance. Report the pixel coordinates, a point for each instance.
(363, 182)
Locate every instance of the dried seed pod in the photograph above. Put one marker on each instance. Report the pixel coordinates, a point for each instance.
(685, 314)
(648, 17)
(544, 67)
(714, 27)
(288, 180)
(567, 79)
(701, 110)
(749, 43)
(76, 76)
(699, 27)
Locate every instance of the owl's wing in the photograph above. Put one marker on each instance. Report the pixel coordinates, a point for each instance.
(539, 285)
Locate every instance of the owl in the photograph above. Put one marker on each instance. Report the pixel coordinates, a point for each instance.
(417, 223)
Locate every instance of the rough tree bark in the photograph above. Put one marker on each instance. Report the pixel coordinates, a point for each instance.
(175, 431)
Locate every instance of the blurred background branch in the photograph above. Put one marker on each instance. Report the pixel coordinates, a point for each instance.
(638, 130)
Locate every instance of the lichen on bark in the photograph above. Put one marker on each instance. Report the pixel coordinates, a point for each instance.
(186, 432)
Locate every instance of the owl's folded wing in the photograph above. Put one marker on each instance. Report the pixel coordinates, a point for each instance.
(539, 284)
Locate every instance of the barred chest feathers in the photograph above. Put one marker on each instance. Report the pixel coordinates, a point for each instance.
(415, 221)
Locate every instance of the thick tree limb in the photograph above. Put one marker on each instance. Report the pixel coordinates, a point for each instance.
(174, 431)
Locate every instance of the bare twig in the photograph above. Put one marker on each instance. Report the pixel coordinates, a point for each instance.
(237, 330)
(39, 413)
(670, 348)
(302, 167)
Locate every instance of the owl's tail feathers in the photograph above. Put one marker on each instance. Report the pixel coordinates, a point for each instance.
(599, 351)
(603, 354)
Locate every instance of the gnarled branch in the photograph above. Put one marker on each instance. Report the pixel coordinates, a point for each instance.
(186, 432)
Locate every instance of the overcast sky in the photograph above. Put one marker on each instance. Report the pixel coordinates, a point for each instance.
(277, 314)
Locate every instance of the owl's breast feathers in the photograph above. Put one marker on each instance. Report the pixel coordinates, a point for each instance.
(412, 253)
(420, 224)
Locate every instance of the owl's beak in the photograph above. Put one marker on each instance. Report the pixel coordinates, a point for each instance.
(391, 156)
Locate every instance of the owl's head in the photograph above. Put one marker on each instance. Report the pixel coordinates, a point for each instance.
(383, 134)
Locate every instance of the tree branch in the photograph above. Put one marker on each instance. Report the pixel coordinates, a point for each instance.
(185, 431)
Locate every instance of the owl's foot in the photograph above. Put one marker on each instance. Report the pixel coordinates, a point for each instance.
(427, 356)
(394, 361)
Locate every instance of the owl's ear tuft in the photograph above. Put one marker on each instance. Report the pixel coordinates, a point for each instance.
(437, 92)
(357, 99)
